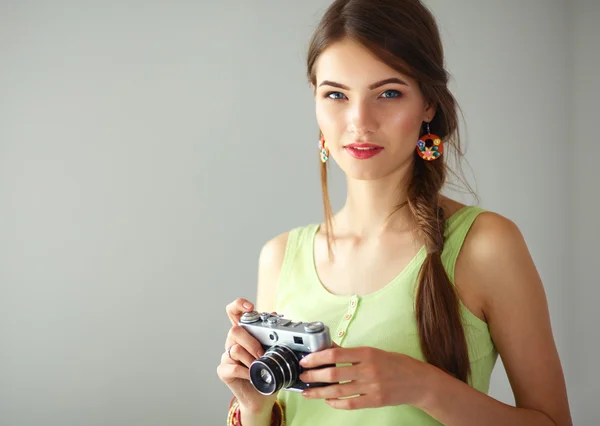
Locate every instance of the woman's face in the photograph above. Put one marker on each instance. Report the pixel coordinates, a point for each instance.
(361, 100)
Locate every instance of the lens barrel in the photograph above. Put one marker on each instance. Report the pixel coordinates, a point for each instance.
(278, 368)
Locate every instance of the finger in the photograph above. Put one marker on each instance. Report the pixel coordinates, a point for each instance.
(336, 355)
(229, 372)
(238, 353)
(226, 360)
(238, 334)
(355, 403)
(345, 390)
(236, 308)
(331, 374)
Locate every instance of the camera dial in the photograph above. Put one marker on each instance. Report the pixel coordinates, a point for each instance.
(250, 317)
(314, 327)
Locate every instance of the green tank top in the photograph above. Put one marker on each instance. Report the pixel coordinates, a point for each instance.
(384, 319)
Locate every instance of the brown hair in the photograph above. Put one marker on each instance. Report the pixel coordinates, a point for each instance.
(404, 34)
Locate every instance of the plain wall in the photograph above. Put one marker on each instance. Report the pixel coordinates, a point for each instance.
(582, 288)
(148, 150)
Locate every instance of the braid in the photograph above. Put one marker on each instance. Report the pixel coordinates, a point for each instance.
(441, 333)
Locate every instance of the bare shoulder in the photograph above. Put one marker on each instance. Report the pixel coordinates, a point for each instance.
(495, 262)
(270, 261)
(491, 235)
(493, 249)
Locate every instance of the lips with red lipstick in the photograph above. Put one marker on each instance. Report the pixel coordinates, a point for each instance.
(363, 150)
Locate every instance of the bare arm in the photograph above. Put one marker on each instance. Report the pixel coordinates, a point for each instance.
(496, 257)
(269, 266)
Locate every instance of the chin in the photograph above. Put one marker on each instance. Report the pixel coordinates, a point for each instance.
(365, 172)
(374, 168)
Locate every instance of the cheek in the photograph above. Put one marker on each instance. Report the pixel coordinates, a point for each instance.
(405, 124)
(403, 129)
(329, 119)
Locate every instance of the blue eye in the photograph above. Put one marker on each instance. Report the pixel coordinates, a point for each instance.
(327, 95)
(394, 94)
(388, 94)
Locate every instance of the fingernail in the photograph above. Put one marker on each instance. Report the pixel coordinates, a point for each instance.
(306, 394)
(303, 362)
(247, 305)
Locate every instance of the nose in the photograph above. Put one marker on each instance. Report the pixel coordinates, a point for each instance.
(361, 120)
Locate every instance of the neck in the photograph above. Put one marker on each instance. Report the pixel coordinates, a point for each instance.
(370, 203)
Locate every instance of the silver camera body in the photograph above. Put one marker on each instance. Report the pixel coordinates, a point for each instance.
(285, 342)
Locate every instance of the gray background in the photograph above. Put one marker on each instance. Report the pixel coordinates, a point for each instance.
(148, 150)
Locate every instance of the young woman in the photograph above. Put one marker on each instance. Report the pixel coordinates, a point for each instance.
(421, 293)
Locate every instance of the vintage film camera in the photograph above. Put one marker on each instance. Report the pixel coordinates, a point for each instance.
(285, 342)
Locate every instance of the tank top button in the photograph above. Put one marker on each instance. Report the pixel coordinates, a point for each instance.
(341, 333)
(353, 302)
(348, 316)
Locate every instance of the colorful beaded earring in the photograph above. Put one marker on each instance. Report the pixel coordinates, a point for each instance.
(324, 150)
(430, 147)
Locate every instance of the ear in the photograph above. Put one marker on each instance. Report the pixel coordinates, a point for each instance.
(430, 111)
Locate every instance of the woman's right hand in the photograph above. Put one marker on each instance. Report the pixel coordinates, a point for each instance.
(241, 349)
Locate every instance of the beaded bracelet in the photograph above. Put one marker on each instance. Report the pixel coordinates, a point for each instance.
(234, 415)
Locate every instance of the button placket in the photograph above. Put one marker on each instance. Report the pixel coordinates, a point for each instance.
(345, 323)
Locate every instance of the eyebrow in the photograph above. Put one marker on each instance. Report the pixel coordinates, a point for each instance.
(371, 87)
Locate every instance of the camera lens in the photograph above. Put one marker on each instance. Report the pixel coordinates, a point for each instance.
(277, 368)
(265, 376)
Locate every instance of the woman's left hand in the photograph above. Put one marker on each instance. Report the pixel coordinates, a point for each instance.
(378, 377)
